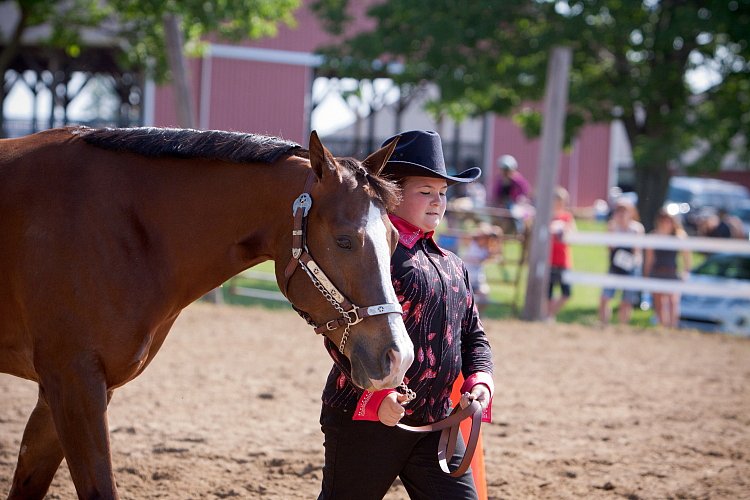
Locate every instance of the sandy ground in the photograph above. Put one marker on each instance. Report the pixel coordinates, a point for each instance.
(229, 408)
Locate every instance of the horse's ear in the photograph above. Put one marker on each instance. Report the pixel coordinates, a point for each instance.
(321, 160)
(376, 161)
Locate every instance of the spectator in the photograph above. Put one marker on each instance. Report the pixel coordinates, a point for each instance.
(663, 264)
(483, 246)
(512, 187)
(560, 256)
(511, 191)
(623, 261)
(728, 226)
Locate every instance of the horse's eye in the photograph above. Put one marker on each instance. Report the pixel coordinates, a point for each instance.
(344, 242)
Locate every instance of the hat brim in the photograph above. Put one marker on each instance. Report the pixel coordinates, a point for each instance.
(400, 169)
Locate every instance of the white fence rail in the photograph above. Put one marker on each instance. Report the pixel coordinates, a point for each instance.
(713, 245)
(658, 241)
(257, 293)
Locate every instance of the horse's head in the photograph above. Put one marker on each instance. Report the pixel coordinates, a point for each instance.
(344, 252)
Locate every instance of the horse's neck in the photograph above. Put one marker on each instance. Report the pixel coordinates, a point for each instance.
(227, 218)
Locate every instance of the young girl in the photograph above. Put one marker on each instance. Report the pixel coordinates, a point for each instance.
(624, 261)
(561, 257)
(483, 245)
(364, 451)
(663, 264)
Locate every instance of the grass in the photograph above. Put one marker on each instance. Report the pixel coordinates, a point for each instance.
(505, 300)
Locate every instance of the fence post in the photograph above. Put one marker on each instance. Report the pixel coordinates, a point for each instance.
(555, 103)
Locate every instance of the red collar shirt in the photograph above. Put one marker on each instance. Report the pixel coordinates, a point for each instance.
(433, 288)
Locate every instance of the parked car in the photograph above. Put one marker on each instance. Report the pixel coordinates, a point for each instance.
(718, 314)
(743, 213)
(695, 199)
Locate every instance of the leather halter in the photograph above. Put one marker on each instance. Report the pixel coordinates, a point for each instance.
(350, 313)
(450, 427)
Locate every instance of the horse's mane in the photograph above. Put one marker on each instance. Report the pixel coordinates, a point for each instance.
(379, 187)
(187, 143)
(221, 145)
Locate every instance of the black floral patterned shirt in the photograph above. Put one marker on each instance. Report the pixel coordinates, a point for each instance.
(433, 288)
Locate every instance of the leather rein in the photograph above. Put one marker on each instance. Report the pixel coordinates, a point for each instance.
(350, 313)
(450, 427)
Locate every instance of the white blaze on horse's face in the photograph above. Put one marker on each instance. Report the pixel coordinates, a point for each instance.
(402, 354)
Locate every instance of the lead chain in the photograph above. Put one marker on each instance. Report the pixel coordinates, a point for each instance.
(344, 338)
(337, 306)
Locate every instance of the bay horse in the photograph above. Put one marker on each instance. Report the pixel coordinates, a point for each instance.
(107, 234)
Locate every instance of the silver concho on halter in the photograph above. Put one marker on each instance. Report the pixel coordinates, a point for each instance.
(303, 201)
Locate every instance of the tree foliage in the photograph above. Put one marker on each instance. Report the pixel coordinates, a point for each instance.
(633, 60)
(137, 25)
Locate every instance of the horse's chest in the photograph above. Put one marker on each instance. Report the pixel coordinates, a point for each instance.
(139, 356)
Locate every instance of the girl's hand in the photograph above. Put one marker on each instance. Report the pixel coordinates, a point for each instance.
(391, 409)
(481, 393)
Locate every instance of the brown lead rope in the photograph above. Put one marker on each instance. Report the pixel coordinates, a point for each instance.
(450, 428)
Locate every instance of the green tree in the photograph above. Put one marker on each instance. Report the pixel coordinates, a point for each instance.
(137, 26)
(633, 60)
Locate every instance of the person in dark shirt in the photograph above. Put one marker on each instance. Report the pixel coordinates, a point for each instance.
(364, 451)
(662, 263)
(728, 226)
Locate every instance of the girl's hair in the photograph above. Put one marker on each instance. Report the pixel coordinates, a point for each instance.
(629, 207)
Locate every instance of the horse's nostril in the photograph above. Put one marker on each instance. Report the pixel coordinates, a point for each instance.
(392, 360)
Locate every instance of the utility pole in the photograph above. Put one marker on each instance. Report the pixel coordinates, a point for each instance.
(555, 104)
(176, 59)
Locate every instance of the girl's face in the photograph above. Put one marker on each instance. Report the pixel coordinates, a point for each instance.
(622, 215)
(664, 224)
(423, 202)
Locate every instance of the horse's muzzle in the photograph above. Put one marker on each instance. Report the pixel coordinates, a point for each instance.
(388, 370)
(398, 361)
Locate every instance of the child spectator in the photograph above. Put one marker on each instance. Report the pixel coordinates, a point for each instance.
(623, 261)
(663, 264)
(560, 255)
(483, 246)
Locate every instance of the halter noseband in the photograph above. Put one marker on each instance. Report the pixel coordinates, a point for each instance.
(350, 313)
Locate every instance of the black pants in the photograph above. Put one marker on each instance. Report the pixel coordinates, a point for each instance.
(362, 459)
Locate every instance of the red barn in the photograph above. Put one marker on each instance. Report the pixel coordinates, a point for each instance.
(265, 86)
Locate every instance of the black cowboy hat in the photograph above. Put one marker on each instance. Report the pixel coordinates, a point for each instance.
(420, 153)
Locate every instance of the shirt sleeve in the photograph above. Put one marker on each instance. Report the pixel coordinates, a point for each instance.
(369, 403)
(481, 378)
(524, 187)
(476, 354)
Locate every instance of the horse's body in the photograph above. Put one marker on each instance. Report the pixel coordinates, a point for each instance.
(101, 249)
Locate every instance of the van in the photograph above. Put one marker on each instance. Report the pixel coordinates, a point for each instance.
(694, 198)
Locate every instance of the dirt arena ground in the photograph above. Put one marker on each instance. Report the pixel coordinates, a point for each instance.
(229, 408)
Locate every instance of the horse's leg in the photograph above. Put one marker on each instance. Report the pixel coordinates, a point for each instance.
(39, 457)
(78, 398)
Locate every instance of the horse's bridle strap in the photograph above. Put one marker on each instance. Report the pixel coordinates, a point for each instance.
(300, 209)
(350, 314)
(358, 314)
(450, 427)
